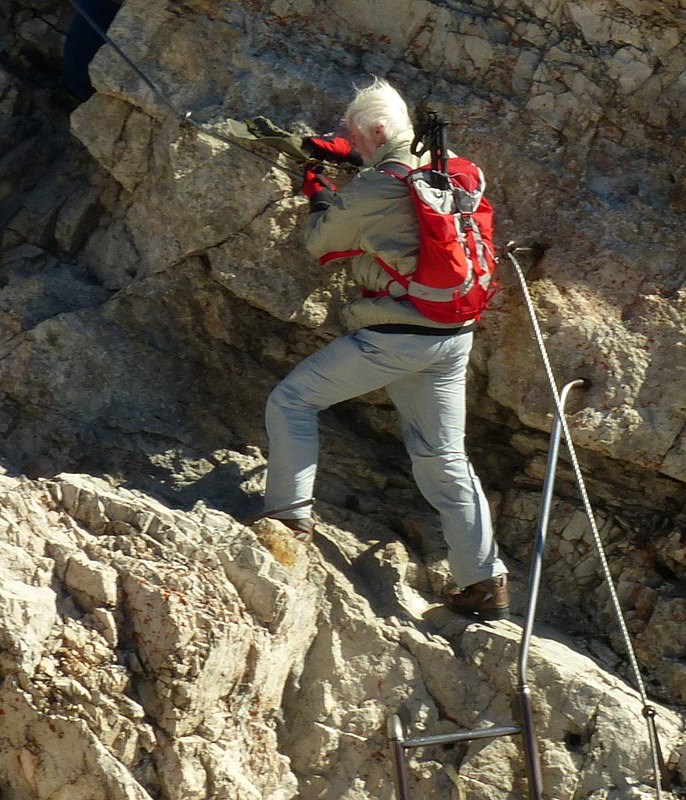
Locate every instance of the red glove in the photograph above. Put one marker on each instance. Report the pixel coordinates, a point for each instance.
(319, 189)
(332, 148)
(315, 182)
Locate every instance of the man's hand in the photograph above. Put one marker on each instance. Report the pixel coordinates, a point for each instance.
(316, 182)
(319, 189)
(332, 148)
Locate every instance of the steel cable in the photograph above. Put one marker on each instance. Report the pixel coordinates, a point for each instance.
(649, 712)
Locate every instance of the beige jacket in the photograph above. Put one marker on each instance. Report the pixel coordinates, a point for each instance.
(373, 213)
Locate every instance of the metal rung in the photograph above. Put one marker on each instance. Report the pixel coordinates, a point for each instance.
(467, 736)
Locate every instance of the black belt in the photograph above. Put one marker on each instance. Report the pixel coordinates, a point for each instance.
(420, 330)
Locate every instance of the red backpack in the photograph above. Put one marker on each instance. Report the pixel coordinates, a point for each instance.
(453, 280)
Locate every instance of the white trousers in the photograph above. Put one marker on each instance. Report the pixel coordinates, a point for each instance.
(425, 377)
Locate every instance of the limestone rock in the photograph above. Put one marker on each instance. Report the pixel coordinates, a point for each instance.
(154, 288)
(173, 670)
(252, 664)
(28, 614)
(91, 584)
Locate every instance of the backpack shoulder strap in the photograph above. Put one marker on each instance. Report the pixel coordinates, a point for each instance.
(395, 168)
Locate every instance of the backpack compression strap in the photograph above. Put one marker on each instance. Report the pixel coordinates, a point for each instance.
(334, 254)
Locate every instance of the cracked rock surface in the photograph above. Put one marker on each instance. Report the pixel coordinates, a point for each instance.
(154, 288)
(181, 655)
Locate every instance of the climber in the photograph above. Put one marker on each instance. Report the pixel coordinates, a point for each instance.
(421, 363)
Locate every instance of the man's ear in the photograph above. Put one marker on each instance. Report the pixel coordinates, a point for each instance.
(379, 134)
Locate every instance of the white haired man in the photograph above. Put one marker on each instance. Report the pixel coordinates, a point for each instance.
(421, 363)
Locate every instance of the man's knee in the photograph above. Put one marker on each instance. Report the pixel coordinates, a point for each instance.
(440, 477)
(284, 396)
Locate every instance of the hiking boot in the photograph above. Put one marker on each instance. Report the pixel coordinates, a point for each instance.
(303, 527)
(487, 599)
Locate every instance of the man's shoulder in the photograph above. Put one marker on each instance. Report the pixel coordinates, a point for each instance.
(374, 184)
(372, 178)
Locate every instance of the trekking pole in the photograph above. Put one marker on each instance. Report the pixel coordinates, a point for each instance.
(443, 146)
(649, 712)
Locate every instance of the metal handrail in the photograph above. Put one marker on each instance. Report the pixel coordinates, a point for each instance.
(526, 708)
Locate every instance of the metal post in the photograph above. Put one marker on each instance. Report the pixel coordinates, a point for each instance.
(528, 728)
(394, 730)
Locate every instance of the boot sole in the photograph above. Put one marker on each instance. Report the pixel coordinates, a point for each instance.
(487, 614)
(494, 613)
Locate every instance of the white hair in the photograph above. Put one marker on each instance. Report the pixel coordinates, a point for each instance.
(379, 104)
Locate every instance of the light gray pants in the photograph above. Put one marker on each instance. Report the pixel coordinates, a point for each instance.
(425, 377)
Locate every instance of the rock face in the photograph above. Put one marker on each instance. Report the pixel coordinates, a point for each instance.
(159, 653)
(154, 288)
